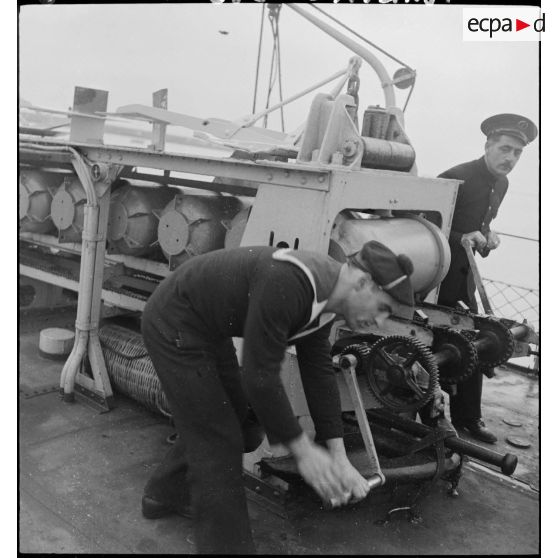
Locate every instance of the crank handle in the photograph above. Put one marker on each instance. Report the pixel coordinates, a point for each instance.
(374, 481)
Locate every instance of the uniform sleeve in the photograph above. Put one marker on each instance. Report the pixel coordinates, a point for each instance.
(500, 190)
(320, 384)
(277, 301)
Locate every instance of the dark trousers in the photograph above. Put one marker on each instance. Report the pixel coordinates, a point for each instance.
(201, 381)
(458, 285)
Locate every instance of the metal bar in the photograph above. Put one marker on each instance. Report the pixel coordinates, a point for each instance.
(377, 66)
(476, 275)
(507, 462)
(93, 115)
(237, 189)
(110, 298)
(347, 364)
(252, 119)
(140, 264)
(132, 262)
(46, 277)
(264, 171)
(27, 154)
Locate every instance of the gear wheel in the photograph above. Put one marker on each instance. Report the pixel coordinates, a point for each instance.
(466, 358)
(402, 373)
(502, 341)
(361, 351)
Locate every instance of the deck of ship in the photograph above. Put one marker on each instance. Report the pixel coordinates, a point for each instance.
(82, 473)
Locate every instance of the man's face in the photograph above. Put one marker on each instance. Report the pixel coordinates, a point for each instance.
(502, 155)
(367, 306)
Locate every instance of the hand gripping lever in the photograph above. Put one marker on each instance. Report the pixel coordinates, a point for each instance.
(348, 363)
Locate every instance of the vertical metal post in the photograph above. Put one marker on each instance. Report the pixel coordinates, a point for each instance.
(96, 180)
(160, 100)
(100, 374)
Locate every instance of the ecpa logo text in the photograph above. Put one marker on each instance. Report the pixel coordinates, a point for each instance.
(493, 25)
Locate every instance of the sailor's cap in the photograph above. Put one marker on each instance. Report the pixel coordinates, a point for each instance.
(513, 125)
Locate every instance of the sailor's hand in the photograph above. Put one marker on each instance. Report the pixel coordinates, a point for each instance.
(317, 468)
(476, 239)
(492, 241)
(356, 486)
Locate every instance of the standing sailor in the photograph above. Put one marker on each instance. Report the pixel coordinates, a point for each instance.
(479, 197)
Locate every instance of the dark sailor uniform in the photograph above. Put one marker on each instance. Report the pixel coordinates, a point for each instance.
(272, 298)
(478, 200)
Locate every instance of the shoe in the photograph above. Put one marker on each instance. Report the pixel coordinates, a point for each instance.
(154, 509)
(477, 429)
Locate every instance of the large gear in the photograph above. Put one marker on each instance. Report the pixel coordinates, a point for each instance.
(402, 373)
(361, 351)
(502, 341)
(466, 359)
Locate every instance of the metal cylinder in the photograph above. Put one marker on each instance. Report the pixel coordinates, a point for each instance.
(132, 223)
(412, 235)
(35, 199)
(192, 225)
(67, 209)
(384, 154)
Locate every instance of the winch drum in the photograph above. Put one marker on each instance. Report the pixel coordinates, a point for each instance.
(420, 240)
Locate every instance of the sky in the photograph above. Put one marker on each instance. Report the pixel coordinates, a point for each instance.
(132, 50)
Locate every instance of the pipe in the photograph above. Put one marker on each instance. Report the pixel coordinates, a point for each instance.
(377, 66)
(423, 471)
(507, 463)
(86, 275)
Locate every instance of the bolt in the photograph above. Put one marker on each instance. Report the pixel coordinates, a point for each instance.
(270, 176)
(321, 179)
(303, 180)
(287, 173)
(349, 148)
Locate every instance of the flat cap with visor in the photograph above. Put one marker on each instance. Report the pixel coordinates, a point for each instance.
(513, 125)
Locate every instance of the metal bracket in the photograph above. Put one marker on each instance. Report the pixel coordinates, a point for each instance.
(331, 137)
(92, 399)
